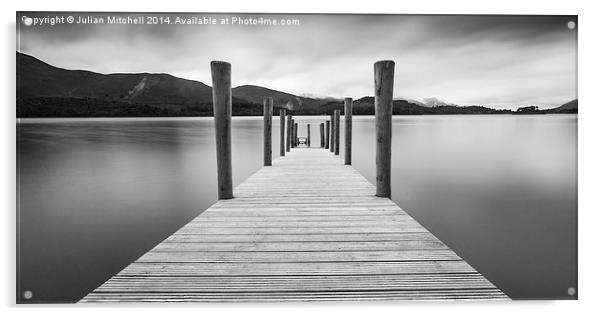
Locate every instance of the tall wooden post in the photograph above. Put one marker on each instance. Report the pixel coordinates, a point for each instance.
(348, 118)
(222, 115)
(321, 135)
(289, 131)
(268, 109)
(308, 137)
(293, 134)
(282, 133)
(327, 140)
(332, 123)
(296, 134)
(383, 111)
(337, 131)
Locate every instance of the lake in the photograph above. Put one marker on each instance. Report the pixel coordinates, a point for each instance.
(95, 194)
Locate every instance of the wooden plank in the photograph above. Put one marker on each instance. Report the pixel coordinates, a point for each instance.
(299, 295)
(302, 230)
(293, 283)
(353, 237)
(216, 219)
(286, 268)
(399, 245)
(308, 224)
(303, 211)
(307, 228)
(300, 256)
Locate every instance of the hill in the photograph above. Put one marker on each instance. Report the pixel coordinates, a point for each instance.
(38, 79)
(47, 91)
(365, 106)
(569, 107)
(255, 94)
(44, 90)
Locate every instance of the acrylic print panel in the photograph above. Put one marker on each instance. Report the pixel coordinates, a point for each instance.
(202, 157)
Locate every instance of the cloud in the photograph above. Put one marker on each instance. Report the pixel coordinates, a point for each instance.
(501, 61)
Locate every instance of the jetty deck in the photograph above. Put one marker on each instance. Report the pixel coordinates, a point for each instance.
(307, 228)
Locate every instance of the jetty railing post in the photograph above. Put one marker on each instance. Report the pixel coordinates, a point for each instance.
(296, 134)
(383, 111)
(293, 136)
(332, 126)
(348, 118)
(268, 109)
(337, 131)
(222, 115)
(308, 137)
(282, 133)
(321, 135)
(289, 129)
(327, 140)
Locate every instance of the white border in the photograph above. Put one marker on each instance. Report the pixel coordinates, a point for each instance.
(590, 87)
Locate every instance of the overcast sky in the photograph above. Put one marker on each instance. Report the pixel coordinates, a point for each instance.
(499, 61)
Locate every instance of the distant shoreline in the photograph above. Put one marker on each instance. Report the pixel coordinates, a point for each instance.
(275, 115)
(89, 107)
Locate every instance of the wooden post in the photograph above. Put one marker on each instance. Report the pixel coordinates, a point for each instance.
(337, 131)
(327, 140)
(296, 134)
(332, 123)
(293, 136)
(282, 133)
(308, 137)
(222, 116)
(268, 109)
(321, 135)
(348, 117)
(383, 111)
(289, 129)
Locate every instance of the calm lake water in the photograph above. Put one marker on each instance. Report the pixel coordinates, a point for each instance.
(95, 194)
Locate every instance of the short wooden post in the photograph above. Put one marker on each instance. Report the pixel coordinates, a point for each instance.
(383, 111)
(282, 133)
(348, 118)
(332, 123)
(296, 134)
(327, 132)
(268, 108)
(321, 135)
(222, 116)
(308, 137)
(289, 130)
(337, 131)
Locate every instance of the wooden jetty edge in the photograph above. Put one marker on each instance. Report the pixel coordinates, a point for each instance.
(307, 228)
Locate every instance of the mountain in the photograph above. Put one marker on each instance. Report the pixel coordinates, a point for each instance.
(410, 100)
(433, 102)
(45, 90)
(569, 107)
(38, 79)
(255, 94)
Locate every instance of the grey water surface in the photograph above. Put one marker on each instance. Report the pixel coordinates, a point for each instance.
(95, 194)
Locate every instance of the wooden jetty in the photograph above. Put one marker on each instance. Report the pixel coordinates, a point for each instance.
(307, 228)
